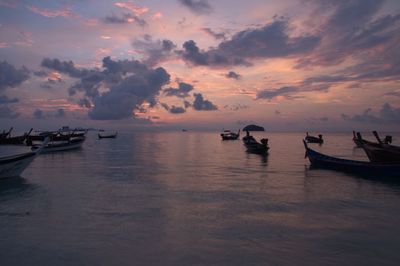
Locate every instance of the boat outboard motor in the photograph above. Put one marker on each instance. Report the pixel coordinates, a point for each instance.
(388, 139)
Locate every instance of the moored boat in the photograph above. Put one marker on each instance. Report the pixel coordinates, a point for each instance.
(56, 146)
(107, 136)
(229, 135)
(320, 160)
(16, 140)
(313, 139)
(380, 152)
(13, 166)
(253, 146)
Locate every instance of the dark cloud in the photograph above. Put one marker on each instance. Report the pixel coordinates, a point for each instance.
(215, 35)
(66, 67)
(6, 112)
(129, 94)
(386, 115)
(182, 91)
(200, 104)
(233, 75)
(269, 41)
(60, 113)
(192, 55)
(199, 7)
(236, 107)
(38, 114)
(10, 76)
(156, 50)
(124, 19)
(40, 73)
(270, 94)
(128, 84)
(173, 109)
(354, 29)
(5, 100)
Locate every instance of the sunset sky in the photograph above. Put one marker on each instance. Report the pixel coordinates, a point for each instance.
(198, 64)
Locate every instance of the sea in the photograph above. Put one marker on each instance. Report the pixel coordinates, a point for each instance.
(189, 198)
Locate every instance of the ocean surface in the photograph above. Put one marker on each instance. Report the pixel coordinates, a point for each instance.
(188, 198)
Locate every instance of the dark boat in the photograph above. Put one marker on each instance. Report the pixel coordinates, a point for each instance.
(15, 140)
(108, 136)
(380, 152)
(253, 146)
(313, 139)
(5, 134)
(229, 135)
(55, 136)
(319, 160)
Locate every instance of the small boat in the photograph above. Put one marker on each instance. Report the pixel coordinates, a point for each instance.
(380, 152)
(55, 136)
(15, 140)
(13, 166)
(108, 136)
(56, 146)
(320, 160)
(313, 139)
(229, 135)
(253, 146)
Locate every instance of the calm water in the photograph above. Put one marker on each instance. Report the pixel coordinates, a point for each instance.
(186, 198)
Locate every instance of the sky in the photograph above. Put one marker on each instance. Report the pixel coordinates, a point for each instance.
(288, 65)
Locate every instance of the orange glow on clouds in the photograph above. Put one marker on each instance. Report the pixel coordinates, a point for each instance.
(137, 10)
(65, 12)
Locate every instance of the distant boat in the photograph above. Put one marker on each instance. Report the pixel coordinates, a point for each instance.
(184, 130)
(56, 146)
(13, 166)
(229, 135)
(14, 140)
(107, 136)
(313, 139)
(253, 146)
(320, 160)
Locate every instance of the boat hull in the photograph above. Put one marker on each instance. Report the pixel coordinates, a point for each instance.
(58, 147)
(319, 160)
(13, 166)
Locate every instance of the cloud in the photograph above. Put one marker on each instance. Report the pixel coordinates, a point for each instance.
(65, 12)
(233, 75)
(200, 104)
(353, 29)
(5, 100)
(126, 18)
(10, 76)
(386, 115)
(215, 35)
(60, 113)
(198, 7)
(173, 109)
(182, 91)
(156, 50)
(38, 114)
(194, 56)
(269, 41)
(6, 112)
(126, 86)
(283, 91)
(66, 67)
(137, 10)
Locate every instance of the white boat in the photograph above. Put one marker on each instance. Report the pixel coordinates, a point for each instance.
(55, 146)
(14, 165)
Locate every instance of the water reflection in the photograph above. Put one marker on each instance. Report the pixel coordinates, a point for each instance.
(14, 187)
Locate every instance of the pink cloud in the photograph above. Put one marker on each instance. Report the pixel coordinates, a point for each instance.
(3, 45)
(65, 12)
(157, 15)
(137, 10)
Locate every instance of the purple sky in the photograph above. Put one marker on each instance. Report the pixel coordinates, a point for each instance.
(286, 65)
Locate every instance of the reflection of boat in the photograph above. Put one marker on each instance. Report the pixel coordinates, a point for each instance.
(12, 166)
(253, 146)
(55, 146)
(229, 135)
(320, 160)
(107, 136)
(313, 139)
(15, 140)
